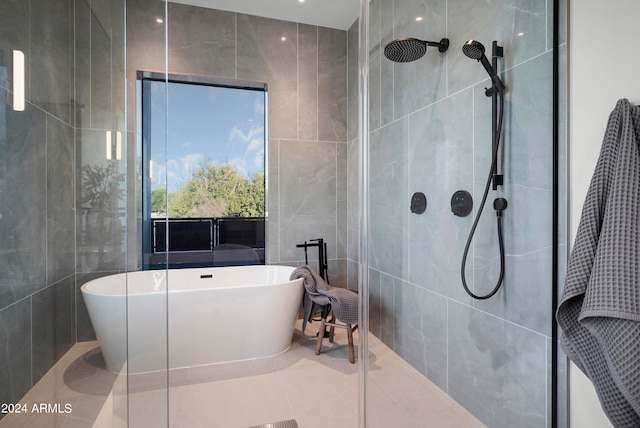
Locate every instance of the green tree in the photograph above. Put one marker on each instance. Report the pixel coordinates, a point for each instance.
(158, 200)
(219, 190)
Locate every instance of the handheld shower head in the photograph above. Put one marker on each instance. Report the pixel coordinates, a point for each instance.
(407, 49)
(475, 50)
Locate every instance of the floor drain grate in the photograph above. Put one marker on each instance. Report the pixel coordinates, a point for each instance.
(291, 423)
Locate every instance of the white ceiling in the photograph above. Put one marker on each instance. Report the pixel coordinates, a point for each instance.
(340, 14)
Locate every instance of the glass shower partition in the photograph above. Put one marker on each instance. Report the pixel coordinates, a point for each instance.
(310, 141)
(147, 27)
(105, 195)
(103, 192)
(478, 362)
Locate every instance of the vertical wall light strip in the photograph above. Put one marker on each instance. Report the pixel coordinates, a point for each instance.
(118, 145)
(18, 80)
(108, 145)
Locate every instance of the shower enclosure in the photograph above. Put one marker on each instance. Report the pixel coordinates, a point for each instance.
(430, 132)
(350, 138)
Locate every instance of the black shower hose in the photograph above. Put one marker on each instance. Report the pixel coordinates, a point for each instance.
(499, 205)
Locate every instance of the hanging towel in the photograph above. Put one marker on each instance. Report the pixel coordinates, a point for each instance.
(344, 303)
(311, 297)
(599, 312)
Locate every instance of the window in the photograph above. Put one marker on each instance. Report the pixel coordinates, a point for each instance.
(203, 171)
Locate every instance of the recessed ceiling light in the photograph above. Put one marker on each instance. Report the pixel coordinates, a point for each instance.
(418, 18)
(284, 39)
(520, 34)
(301, 1)
(159, 20)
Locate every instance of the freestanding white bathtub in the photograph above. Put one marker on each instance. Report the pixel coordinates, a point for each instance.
(208, 315)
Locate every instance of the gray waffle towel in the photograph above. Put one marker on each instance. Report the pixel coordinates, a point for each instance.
(344, 303)
(599, 312)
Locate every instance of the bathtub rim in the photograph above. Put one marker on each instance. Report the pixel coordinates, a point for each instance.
(98, 286)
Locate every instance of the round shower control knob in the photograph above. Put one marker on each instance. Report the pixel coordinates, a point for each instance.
(461, 203)
(418, 203)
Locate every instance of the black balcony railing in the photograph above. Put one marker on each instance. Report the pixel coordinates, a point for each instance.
(194, 242)
(184, 234)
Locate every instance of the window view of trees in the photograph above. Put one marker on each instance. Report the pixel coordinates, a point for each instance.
(203, 171)
(215, 190)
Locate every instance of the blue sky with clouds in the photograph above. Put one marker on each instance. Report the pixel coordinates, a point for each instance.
(205, 124)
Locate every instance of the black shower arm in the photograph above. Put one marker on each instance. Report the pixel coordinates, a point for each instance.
(442, 45)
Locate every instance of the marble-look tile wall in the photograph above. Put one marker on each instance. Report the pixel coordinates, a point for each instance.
(37, 184)
(306, 76)
(430, 132)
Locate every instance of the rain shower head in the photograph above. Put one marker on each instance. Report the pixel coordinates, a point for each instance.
(407, 49)
(475, 50)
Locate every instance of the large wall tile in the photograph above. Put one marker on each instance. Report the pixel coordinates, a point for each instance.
(440, 163)
(145, 50)
(353, 195)
(387, 68)
(14, 27)
(273, 202)
(102, 77)
(374, 58)
(420, 335)
(60, 200)
(201, 41)
(145, 37)
(352, 81)
(526, 139)
(389, 210)
(527, 284)
(338, 273)
(375, 303)
(308, 201)
(65, 318)
(375, 96)
(23, 207)
(497, 370)
(262, 55)
(388, 316)
(501, 20)
(308, 85)
(342, 201)
(83, 17)
(15, 345)
(422, 82)
(50, 63)
(332, 85)
(353, 272)
(52, 321)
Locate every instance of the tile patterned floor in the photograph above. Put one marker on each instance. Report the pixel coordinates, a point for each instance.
(317, 391)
